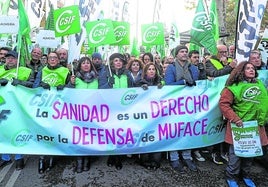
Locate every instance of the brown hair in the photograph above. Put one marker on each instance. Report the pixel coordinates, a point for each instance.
(129, 64)
(238, 74)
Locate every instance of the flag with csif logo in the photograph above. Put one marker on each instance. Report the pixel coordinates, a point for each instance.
(121, 32)
(100, 32)
(67, 21)
(152, 34)
(202, 33)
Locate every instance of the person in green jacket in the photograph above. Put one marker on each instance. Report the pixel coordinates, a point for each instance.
(9, 72)
(243, 99)
(85, 78)
(118, 78)
(52, 75)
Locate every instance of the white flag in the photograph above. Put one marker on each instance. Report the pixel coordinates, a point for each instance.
(250, 14)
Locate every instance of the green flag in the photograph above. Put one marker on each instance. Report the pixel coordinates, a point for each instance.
(193, 47)
(24, 39)
(202, 30)
(152, 34)
(50, 19)
(214, 18)
(121, 32)
(100, 32)
(67, 21)
(134, 48)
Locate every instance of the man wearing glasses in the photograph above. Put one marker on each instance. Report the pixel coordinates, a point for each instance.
(18, 75)
(216, 66)
(220, 64)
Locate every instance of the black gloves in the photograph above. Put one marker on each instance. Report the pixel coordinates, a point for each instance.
(60, 87)
(160, 85)
(144, 87)
(15, 82)
(3, 82)
(200, 66)
(190, 84)
(111, 81)
(45, 85)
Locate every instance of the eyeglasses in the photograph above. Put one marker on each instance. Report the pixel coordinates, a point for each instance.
(222, 52)
(52, 57)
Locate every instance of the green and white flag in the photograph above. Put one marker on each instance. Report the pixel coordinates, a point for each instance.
(121, 32)
(202, 29)
(174, 36)
(100, 33)
(152, 34)
(67, 21)
(24, 39)
(214, 18)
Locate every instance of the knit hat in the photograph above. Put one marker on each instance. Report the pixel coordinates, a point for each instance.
(180, 47)
(96, 55)
(118, 55)
(12, 53)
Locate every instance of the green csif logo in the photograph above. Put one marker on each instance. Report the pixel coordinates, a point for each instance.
(100, 32)
(153, 34)
(129, 97)
(121, 32)
(67, 21)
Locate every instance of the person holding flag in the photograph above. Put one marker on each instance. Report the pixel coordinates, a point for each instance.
(85, 78)
(117, 78)
(11, 71)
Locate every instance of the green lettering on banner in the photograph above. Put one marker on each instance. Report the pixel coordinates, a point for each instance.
(67, 21)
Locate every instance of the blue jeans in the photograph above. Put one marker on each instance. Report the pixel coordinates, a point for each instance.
(174, 155)
(7, 157)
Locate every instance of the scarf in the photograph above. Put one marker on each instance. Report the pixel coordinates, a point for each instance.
(183, 72)
(86, 76)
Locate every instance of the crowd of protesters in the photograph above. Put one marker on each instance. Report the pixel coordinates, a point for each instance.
(180, 67)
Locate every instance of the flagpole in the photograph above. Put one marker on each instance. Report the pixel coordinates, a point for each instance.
(18, 61)
(236, 28)
(155, 4)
